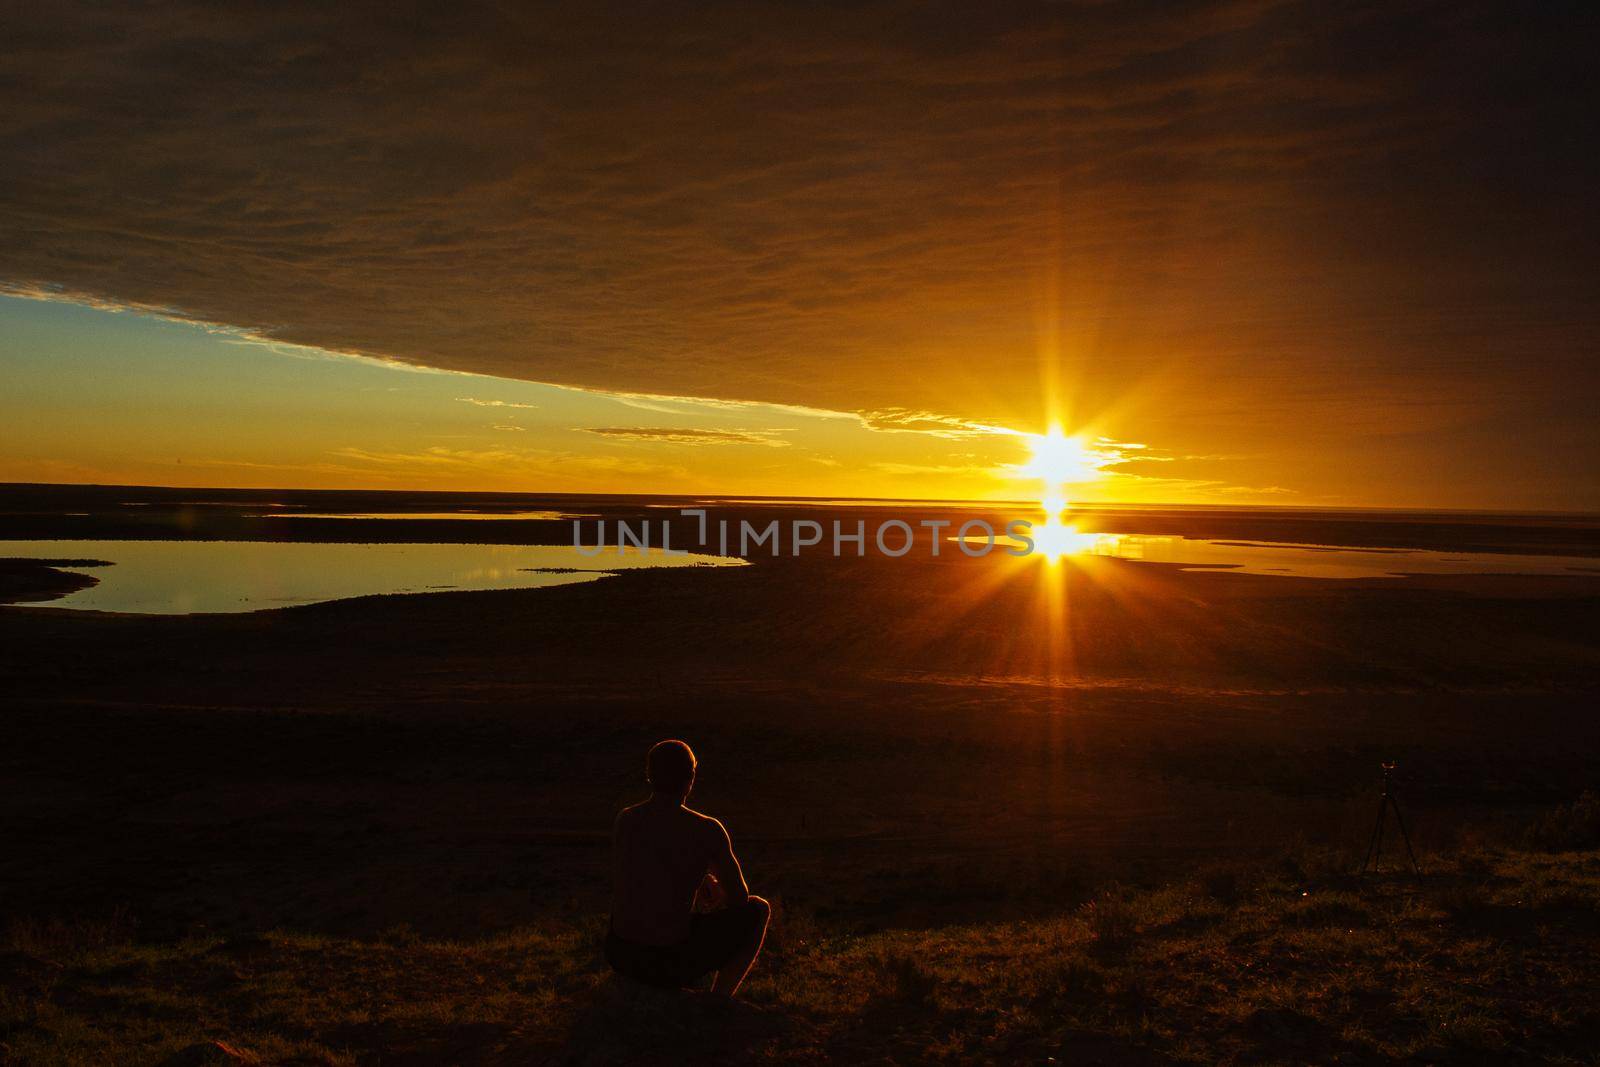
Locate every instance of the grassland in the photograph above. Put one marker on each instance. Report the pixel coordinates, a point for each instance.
(374, 831)
(1493, 955)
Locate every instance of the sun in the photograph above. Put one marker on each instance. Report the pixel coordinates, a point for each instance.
(1059, 460)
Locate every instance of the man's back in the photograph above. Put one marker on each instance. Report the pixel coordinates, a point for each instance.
(663, 852)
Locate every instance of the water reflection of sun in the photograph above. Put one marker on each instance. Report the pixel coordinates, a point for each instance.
(1064, 564)
(1058, 460)
(1054, 538)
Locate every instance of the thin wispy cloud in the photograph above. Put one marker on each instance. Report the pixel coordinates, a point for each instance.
(549, 466)
(475, 401)
(689, 436)
(900, 420)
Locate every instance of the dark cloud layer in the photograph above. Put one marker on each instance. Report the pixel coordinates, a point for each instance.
(1240, 218)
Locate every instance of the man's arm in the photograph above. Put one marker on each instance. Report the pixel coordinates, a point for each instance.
(725, 865)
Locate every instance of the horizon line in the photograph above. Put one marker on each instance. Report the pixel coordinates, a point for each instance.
(712, 497)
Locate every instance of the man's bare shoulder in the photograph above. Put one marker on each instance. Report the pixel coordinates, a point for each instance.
(627, 815)
(712, 828)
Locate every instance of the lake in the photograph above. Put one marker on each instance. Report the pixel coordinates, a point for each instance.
(1287, 560)
(182, 577)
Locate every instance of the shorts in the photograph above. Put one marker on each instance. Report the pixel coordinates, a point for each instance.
(714, 940)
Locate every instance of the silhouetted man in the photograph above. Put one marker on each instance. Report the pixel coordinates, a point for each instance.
(680, 909)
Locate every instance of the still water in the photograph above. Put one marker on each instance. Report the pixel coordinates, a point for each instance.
(1057, 542)
(180, 577)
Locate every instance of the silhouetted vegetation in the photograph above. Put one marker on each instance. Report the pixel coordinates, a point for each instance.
(1493, 955)
(1574, 825)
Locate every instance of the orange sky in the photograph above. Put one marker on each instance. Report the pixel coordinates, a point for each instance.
(101, 395)
(1301, 254)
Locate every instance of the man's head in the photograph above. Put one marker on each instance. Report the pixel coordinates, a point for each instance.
(670, 768)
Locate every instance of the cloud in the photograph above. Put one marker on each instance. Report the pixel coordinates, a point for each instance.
(900, 420)
(688, 436)
(493, 403)
(1247, 221)
(702, 405)
(501, 463)
(230, 334)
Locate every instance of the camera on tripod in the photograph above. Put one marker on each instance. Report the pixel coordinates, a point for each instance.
(1389, 801)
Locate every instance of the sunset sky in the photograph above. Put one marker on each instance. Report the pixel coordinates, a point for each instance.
(1254, 252)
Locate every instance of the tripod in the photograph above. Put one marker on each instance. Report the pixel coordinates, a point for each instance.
(1375, 845)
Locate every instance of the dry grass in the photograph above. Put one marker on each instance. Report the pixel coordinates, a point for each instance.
(1494, 955)
(1569, 826)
